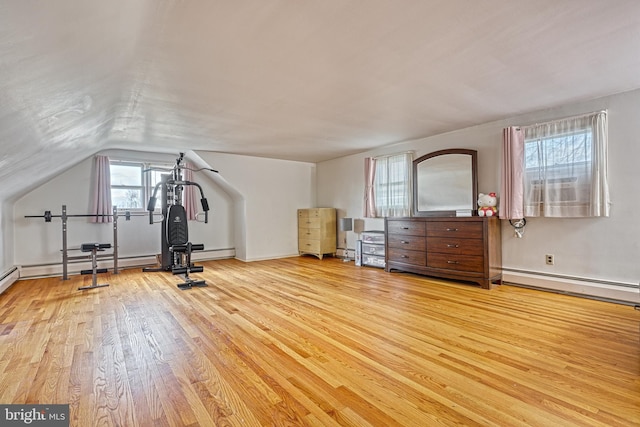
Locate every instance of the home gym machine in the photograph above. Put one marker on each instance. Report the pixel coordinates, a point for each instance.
(176, 247)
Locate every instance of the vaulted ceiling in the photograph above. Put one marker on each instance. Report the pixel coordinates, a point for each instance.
(300, 80)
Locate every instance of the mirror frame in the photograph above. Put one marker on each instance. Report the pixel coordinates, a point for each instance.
(474, 183)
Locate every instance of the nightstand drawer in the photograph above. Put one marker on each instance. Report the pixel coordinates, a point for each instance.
(372, 237)
(372, 249)
(373, 260)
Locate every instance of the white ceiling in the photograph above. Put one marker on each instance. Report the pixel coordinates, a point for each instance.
(299, 80)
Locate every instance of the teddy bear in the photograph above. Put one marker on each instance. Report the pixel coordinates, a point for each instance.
(487, 204)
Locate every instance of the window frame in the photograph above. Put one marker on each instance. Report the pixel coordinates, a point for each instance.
(572, 182)
(146, 179)
(404, 183)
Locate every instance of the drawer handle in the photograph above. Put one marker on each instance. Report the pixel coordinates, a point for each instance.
(452, 229)
(405, 228)
(404, 256)
(452, 262)
(453, 246)
(404, 241)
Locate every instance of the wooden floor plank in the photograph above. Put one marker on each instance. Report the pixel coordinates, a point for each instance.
(308, 342)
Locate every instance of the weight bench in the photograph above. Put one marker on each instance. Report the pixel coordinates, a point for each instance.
(94, 248)
(181, 248)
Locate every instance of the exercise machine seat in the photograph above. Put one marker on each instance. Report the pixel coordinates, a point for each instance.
(94, 248)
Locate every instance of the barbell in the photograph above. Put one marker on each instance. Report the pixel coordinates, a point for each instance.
(48, 215)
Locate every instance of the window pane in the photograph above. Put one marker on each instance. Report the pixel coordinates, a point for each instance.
(126, 198)
(392, 184)
(558, 151)
(126, 175)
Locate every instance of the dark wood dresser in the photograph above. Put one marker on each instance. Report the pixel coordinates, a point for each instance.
(458, 248)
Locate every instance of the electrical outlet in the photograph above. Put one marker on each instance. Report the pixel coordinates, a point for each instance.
(549, 259)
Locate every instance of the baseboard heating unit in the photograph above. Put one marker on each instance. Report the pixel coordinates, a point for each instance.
(9, 278)
(614, 291)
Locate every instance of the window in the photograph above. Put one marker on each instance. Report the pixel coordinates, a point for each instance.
(392, 185)
(564, 166)
(132, 183)
(558, 168)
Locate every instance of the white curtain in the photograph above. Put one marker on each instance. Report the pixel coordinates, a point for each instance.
(566, 167)
(393, 185)
(101, 206)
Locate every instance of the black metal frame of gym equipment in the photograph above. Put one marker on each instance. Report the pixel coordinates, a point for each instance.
(65, 248)
(94, 248)
(172, 186)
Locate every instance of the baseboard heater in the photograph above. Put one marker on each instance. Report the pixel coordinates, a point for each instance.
(55, 269)
(607, 290)
(8, 278)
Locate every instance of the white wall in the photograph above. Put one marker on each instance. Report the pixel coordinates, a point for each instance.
(272, 191)
(6, 241)
(600, 249)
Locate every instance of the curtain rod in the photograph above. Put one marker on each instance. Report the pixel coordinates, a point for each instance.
(394, 154)
(579, 116)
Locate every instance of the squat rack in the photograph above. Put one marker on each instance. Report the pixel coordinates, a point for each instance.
(65, 249)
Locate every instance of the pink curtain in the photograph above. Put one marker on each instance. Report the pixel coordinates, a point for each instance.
(101, 190)
(369, 194)
(512, 182)
(190, 197)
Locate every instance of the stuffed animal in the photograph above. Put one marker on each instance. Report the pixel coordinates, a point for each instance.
(487, 204)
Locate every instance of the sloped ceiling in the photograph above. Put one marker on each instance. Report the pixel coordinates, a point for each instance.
(301, 80)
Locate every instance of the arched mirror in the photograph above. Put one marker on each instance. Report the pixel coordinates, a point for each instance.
(445, 182)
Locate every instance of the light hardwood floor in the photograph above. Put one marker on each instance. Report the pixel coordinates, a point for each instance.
(300, 341)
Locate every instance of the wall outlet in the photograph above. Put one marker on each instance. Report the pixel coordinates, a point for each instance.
(549, 259)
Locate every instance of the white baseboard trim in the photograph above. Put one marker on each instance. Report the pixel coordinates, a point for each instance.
(268, 258)
(8, 278)
(74, 267)
(596, 288)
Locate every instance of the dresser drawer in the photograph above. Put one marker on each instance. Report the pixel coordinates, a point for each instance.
(453, 245)
(309, 222)
(412, 228)
(312, 246)
(471, 230)
(372, 249)
(456, 262)
(309, 213)
(414, 243)
(309, 233)
(407, 257)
